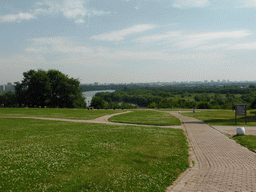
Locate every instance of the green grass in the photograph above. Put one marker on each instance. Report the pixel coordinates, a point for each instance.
(146, 117)
(175, 109)
(248, 141)
(223, 117)
(62, 113)
(38, 155)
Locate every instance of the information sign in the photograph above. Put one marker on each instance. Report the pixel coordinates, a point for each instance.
(241, 110)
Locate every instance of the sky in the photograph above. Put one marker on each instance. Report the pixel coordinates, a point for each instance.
(124, 41)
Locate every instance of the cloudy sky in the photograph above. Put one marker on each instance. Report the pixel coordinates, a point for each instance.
(123, 41)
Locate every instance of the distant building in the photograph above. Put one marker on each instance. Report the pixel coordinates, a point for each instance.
(8, 87)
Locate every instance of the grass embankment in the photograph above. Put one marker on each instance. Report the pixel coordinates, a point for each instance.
(223, 117)
(146, 117)
(248, 141)
(39, 155)
(62, 113)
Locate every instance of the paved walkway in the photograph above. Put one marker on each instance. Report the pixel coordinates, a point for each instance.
(220, 164)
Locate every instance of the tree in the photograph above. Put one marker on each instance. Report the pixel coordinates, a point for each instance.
(253, 104)
(109, 100)
(98, 103)
(204, 105)
(49, 88)
(8, 99)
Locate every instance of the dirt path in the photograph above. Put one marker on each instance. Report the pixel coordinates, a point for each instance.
(102, 119)
(220, 164)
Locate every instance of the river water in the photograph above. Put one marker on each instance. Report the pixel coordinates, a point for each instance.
(89, 95)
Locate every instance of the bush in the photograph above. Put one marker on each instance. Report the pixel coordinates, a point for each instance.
(204, 105)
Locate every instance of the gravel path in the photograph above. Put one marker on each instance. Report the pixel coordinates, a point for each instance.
(220, 164)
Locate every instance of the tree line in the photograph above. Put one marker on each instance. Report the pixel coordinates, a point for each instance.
(45, 88)
(54, 89)
(204, 98)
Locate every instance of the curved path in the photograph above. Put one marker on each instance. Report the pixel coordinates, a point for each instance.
(102, 119)
(220, 164)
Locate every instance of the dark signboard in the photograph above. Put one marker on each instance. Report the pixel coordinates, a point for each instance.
(241, 110)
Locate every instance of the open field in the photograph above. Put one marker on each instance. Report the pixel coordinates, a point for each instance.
(175, 109)
(39, 155)
(223, 117)
(63, 113)
(146, 117)
(248, 141)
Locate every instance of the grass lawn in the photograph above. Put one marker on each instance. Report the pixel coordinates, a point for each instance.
(38, 155)
(146, 117)
(223, 117)
(63, 113)
(175, 109)
(248, 141)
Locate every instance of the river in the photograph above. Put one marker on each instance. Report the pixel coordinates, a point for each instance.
(90, 94)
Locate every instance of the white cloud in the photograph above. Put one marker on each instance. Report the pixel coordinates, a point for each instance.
(214, 47)
(119, 35)
(17, 17)
(190, 3)
(200, 41)
(197, 39)
(56, 45)
(71, 9)
(246, 3)
(161, 37)
(244, 46)
(163, 56)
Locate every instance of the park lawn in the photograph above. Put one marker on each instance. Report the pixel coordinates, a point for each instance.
(63, 113)
(248, 141)
(223, 117)
(40, 155)
(175, 109)
(146, 117)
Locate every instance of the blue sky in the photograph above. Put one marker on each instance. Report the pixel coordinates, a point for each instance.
(123, 41)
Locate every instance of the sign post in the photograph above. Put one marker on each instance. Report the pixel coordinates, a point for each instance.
(241, 110)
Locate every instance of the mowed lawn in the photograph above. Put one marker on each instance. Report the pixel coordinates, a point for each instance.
(39, 155)
(223, 117)
(62, 113)
(146, 117)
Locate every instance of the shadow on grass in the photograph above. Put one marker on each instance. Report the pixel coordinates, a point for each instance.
(195, 122)
(250, 119)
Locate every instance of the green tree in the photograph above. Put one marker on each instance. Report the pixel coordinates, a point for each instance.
(204, 105)
(98, 103)
(109, 100)
(49, 88)
(9, 99)
(253, 104)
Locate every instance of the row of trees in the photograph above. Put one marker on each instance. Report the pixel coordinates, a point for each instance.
(163, 98)
(45, 88)
(99, 103)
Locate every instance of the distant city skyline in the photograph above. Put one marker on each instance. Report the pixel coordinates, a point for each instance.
(124, 41)
(224, 81)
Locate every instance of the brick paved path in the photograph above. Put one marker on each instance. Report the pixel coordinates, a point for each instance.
(220, 163)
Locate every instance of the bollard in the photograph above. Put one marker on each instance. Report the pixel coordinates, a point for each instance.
(240, 131)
